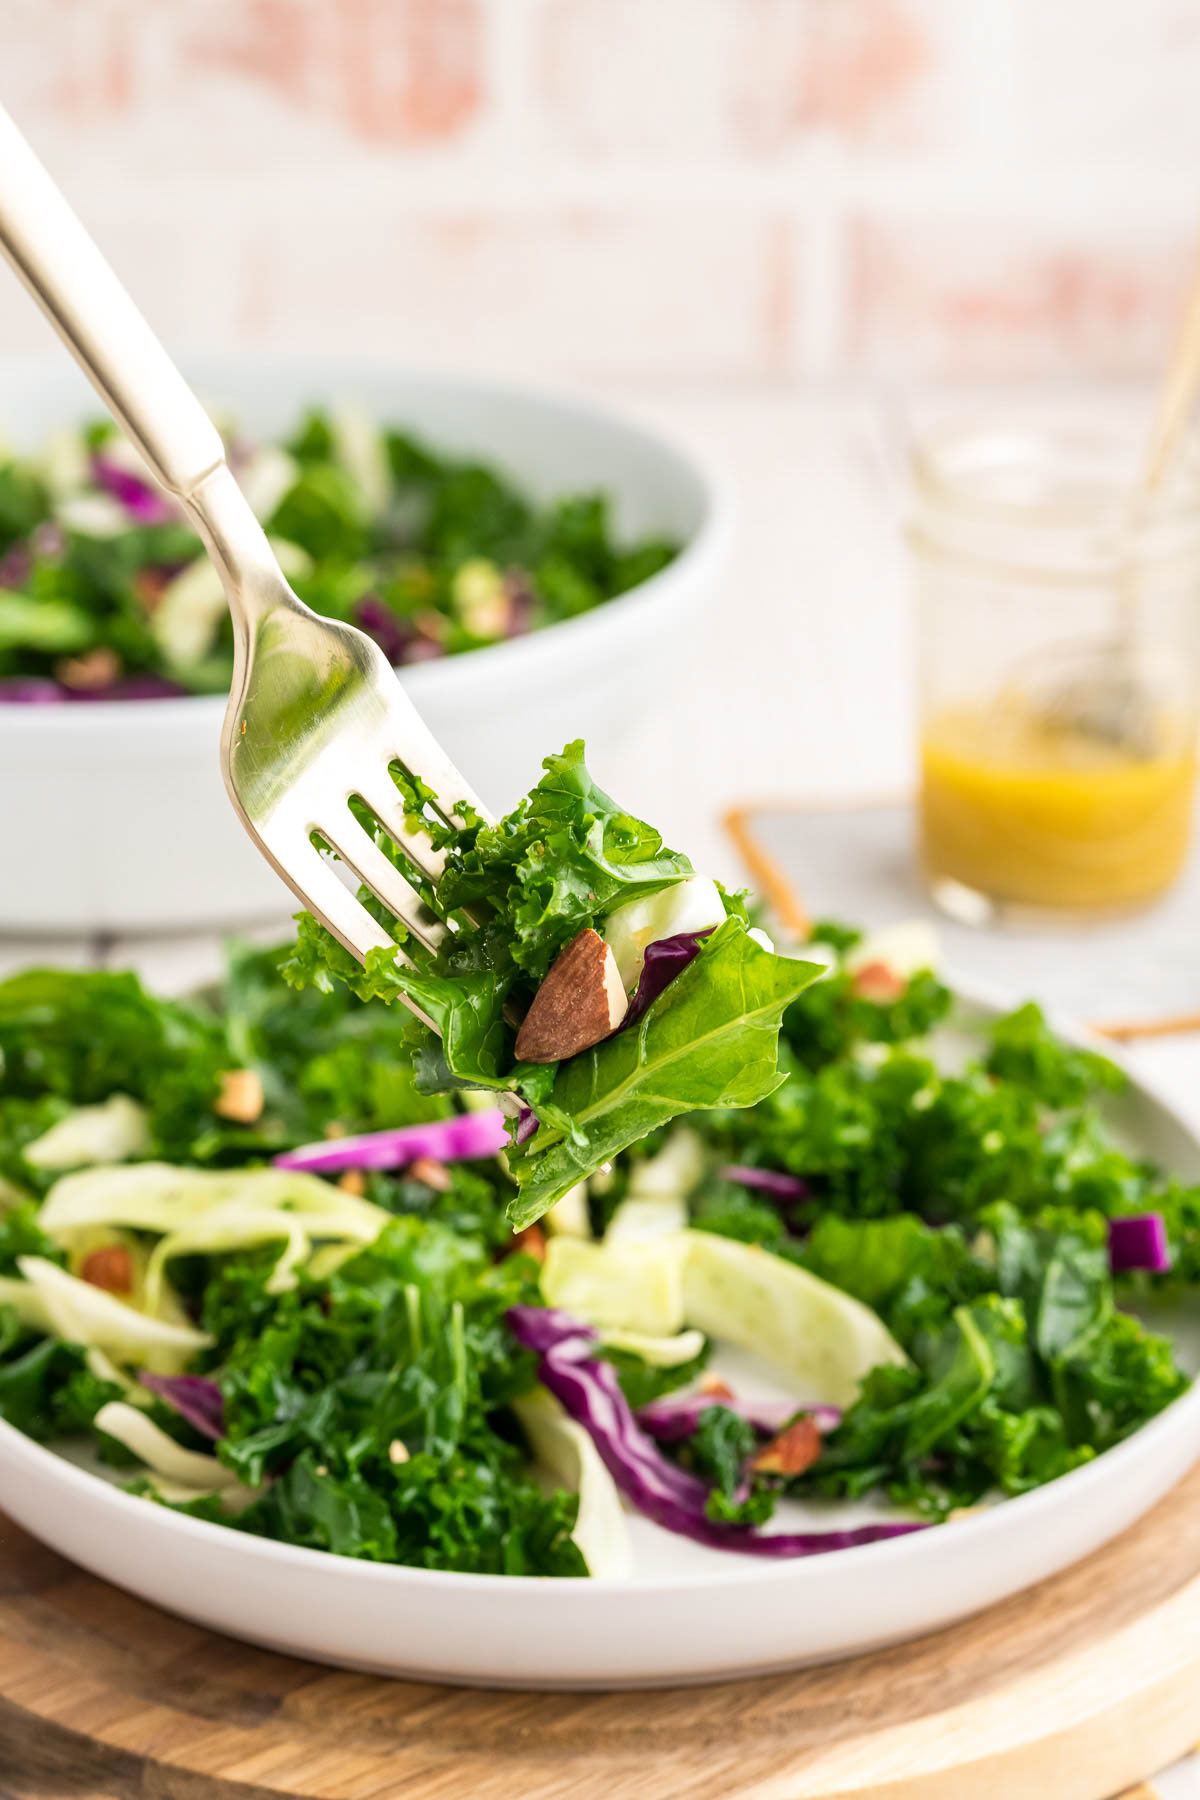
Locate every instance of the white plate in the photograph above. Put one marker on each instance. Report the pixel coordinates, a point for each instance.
(688, 1614)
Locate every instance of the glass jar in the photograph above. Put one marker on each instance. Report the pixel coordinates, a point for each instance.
(1059, 645)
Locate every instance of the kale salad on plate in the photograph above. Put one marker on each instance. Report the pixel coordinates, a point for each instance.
(456, 1293)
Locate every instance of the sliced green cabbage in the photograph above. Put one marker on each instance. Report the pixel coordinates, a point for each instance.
(191, 1470)
(108, 1133)
(269, 474)
(566, 1451)
(641, 1218)
(159, 1197)
(201, 1211)
(358, 445)
(105, 1369)
(234, 1228)
(65, 463)
(568, 1217)
(329, 1258)
(823, 1341)
(660, 1352)
(27, 1302)
(93, 515)
(678, 1168)
(656, 1202)
(906, 948)
(238, 1227)
(192, 605)
(50, 1300)
(694, 904)
(628, 1287)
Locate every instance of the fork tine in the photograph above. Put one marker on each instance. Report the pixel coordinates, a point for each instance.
(421, 754)
(333, 904)
(387, 803)
(360, 853)
(317, 884)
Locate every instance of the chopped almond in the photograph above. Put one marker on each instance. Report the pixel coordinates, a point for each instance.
(581, 1001)
(793, 1451)
(110, 1268)
(878, 981)
(241, 1096)
(434, 1174)
(531, 1242)
(715, 1388)
(432, 625)
(353, 1182)
(97, 668)
(148, 588)
(398, 1451)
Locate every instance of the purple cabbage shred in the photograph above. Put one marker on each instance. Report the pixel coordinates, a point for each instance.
(144, 503)
(389, 632)
(144, 686)
(460, 1138)
(1139, 1242)
(527, 1125)
(774, 1182)
(193, 1397)
(674, 1417)
(587, 1388)
(30, 690)
(665, 959)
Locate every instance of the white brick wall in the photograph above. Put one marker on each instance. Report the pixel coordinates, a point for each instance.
(730, 188)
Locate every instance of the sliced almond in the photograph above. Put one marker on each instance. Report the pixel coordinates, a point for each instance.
(148, 588)
(110, 1268)
(353, 1182)
(793, 1451)
(581, 1001)
(715, 1389)
(530, 1242)
(240, 1097)
(95, 669)
(433, 1173)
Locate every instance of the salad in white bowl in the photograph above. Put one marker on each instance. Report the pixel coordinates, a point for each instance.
(531, 561)
(106, 592)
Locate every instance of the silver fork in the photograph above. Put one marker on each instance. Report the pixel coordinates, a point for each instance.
(316, 715)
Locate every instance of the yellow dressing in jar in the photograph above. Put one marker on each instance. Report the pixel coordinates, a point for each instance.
(1058, 663)
(1039, 815)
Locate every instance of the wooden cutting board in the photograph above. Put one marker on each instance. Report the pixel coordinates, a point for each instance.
(1072, 1691)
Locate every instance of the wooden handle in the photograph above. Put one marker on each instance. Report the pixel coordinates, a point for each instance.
(1177, 394)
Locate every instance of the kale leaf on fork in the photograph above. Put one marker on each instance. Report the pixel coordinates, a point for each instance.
(515, 895)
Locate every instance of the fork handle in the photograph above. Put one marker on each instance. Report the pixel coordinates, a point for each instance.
(99, 323)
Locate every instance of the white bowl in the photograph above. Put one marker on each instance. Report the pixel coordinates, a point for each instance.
(113, 815)
(687, 1613)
